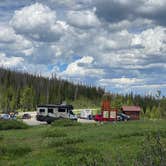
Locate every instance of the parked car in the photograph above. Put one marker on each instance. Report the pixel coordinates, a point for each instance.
(13, 116)
(26, 116)
(5, 116)
(123, 117)
(98, 117)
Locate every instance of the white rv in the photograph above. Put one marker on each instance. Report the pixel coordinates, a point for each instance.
(50, 113)
(86, 114)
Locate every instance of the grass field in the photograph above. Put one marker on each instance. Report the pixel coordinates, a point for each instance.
(65, 143)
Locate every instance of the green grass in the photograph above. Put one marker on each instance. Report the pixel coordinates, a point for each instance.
(54, 133)
(65, 123)
(121, 143)
(12, 124)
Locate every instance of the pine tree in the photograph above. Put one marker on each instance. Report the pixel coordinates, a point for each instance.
(148, 113)
(27, 99)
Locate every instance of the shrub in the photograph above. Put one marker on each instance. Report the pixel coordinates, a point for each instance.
(82, 156)
(88, 158)
(14, 150)
(54, 133)
(1, 137)
(65, 141)
(65, 123)
(12, 124)
(69, 150)
(153, 152)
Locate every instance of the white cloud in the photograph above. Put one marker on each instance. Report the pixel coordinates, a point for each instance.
(7, 34)
(63, 2)
(127, 81)
(151, 39)
(118, 44)
(120, 81)
(11, 41)
(83, 19)
(151, 5)
(151, 86)
(38, 22)
(105, 43)
(81, 68)
(10, 61)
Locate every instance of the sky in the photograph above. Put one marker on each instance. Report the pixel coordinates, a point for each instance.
(119, 45)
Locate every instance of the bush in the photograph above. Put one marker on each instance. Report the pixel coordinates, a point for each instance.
(12, 124)
(1, 137)
(65, 141)
(65, 123)
(85, 156)
(69, 150)
(92, 159)
(14, 150)
(153, 152)
(54, 133)
(91, 156)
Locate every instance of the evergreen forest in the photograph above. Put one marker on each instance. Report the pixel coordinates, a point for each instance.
(23, 92)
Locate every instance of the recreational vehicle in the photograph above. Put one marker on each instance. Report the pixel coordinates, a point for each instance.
(50, 113)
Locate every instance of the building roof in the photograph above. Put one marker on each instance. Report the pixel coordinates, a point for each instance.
(131, 108)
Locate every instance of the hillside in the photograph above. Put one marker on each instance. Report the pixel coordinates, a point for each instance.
(25, 91)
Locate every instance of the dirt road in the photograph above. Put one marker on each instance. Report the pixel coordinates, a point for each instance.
(32, 121)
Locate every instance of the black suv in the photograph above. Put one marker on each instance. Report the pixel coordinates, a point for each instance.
(123, 117)
(26, 116)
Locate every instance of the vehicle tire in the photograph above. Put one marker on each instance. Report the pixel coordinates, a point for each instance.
(49, 122)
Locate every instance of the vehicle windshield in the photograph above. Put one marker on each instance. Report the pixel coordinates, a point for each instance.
(71, 112)
(122, 114)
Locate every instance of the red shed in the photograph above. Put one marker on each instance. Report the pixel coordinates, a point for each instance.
(132, 111)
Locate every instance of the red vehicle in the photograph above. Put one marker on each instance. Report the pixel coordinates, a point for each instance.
(107, 113)
(98, 117)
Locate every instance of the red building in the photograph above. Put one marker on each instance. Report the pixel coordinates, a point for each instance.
(132, 111)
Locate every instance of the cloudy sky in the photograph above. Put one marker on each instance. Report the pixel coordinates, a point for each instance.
(116, 44)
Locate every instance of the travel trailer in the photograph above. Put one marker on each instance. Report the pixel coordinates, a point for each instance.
(50, 113)
(86, 114)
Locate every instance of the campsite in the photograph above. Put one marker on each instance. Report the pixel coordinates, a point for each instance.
(110, 130)
(50, 137)
(82, 83)
(72, 143)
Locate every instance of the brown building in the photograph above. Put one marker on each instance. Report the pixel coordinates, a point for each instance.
(132, 111)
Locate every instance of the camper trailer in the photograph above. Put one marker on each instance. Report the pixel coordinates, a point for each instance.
(50, 113)
(86, 114)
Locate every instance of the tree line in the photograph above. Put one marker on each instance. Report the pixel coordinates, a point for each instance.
(152, 107)
(23, 91)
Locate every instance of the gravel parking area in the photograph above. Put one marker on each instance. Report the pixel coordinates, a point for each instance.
(32, 121)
